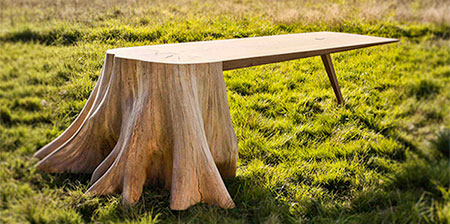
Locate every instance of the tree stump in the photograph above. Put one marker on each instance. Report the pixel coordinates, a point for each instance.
(156, 123)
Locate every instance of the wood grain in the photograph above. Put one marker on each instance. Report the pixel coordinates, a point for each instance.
(156, 123)
(245, 52)
(159, 115)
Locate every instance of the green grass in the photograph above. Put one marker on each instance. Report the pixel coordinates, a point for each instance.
(381, 158)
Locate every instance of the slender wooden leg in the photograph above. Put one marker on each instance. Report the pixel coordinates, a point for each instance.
(332, 76)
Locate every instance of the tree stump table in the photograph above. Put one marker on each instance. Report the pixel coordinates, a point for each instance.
(159, 114)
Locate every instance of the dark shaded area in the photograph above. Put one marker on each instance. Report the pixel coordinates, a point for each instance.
(424, 89)
(442, 143)
(57, 36)
(69, 36)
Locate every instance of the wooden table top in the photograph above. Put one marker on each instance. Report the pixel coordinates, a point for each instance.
(245, 52)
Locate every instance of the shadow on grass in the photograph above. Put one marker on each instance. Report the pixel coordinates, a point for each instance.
(67, 181)
(403, 198)
(254, 204)
(412, 194)
(57, 36)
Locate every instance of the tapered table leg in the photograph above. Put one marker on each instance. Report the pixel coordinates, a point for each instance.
(332, 76)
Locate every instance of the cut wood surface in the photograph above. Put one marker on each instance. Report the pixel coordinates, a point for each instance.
(245, 52)
(159, 114)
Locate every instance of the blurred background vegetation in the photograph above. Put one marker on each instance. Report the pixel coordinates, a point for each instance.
(383, 157)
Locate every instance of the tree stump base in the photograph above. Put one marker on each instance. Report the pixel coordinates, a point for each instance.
(157, 123)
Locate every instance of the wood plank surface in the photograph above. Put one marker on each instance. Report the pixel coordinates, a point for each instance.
(245, 52)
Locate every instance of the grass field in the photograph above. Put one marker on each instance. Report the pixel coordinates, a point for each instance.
(381, 158)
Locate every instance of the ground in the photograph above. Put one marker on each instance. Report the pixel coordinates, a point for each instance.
(383, 157)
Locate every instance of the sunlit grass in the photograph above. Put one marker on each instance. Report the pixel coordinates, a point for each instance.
(382, 157)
